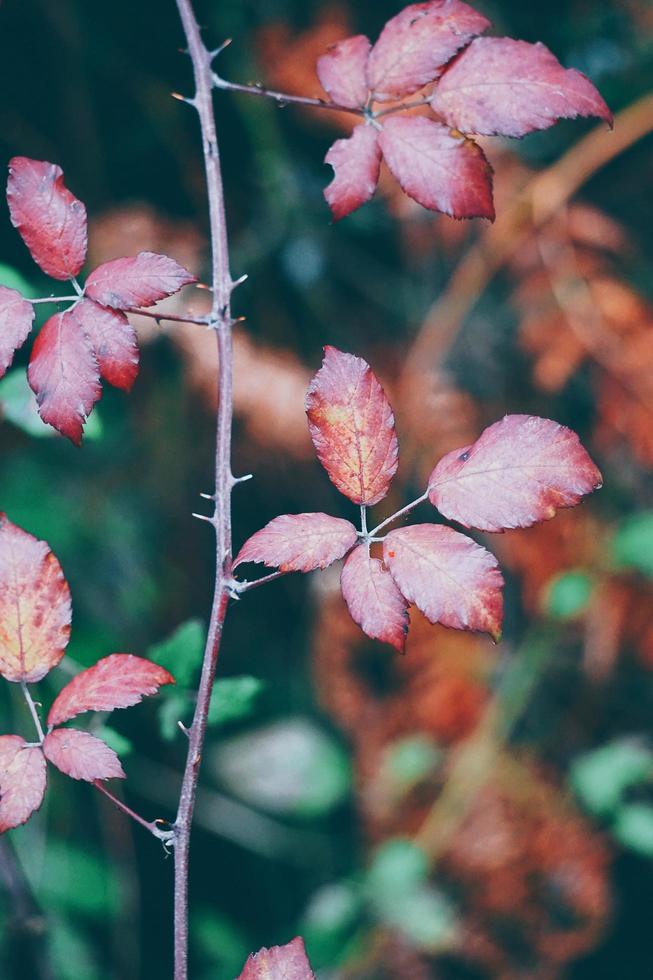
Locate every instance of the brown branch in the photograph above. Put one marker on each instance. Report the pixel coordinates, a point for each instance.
(167, 836)
(202, 321)
(221, 320)
(282, 98)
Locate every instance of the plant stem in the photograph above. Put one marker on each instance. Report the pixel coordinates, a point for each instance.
(202, 321)
(221, 321)
(283, 98)
(248, 586)
(151, 825)
(400, 513)
(53, 299)
(34, 713)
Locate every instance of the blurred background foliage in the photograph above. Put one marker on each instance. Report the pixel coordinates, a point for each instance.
(465, 812)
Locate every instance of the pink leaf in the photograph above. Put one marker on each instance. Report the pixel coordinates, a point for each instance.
(499, 86)
(357, 163)
(342, 71)
(117, 681)
(415, 44)
(279, 963)
(22, 781)
(64, 375)
(81, 755)
(299, 542)
(51, 221)
(373, 599)
(352, 427)
(519, 472)
(447, 575)
(113, 340)
(138, 280)
(34, 606)
(440, 171)
(16, 317)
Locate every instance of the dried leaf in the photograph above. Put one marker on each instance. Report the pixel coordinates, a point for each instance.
(64, 375)
(453, 580)
(279, 963)
(50, 220)
(299, 542)
(352, 427)
(520, 471)
(342, 71)
(139, 280)
(416, 44)
(16, 317)
(440, 171)
(34, 606)
(22, 781)
(113, 340)
(357, 163)
(373, 599)
(81, 755)
(499, 86)
(117, 681)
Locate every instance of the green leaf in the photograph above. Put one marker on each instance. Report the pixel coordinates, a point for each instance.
(632, 545)
(77, 881)
(410, 760)
(233, 698)
(121, 745)
(181, 653)
(399, 891)
(633, 827)
(601, 778)
(568, 594)
(18, 406)
(290, 767)
(333, 914)
(219, 943)
(13, 279)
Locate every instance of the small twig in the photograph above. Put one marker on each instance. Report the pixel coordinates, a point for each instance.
(400, 513)
(53, 299)
(240, 587)
(34, 713)
(167, 836)
(201, 321)
(283, 98)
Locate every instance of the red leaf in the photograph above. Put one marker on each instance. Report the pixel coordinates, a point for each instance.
(414, 46)
(342, 71)
(279, 963)
(499, 86)
(64, 375)
(374, 601)
(447, 575)
(299, 542)
(357, 163)
(34, 606)
(438, 170)
(50, 220)
(81, 755)
(16, 317)
(113, 340)
(138, 280)
(519, 472)
(117, 681)
(352, 427)
(22, 781)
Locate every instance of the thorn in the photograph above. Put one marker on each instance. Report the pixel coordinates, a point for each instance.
(203, 517)
(208, 496)
(183, 728)
(237, 320)
(182, 98)
(241, 479)
(239, 282)
(201, 285)
(216, 51)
